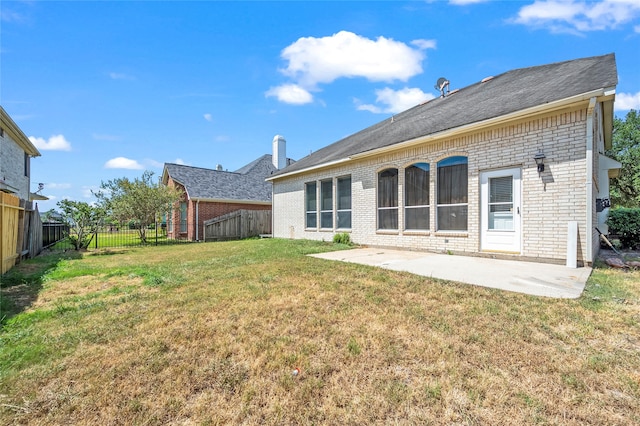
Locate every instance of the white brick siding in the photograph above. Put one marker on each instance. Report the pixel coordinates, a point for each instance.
(549, 200)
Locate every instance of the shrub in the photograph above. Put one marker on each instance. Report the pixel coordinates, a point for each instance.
(342, 238)
(625, 223)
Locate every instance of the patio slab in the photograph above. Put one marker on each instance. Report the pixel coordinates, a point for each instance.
(537, 279)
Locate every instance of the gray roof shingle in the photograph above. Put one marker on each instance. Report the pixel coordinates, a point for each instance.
(245, 184)
(503, 94)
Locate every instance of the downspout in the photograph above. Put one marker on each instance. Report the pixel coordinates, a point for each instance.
(273, 205)
(589, 182)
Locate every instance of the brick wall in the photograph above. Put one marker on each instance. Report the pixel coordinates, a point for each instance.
(12, 166)
(203, 211)
(549, 200)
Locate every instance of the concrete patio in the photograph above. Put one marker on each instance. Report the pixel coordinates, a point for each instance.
(537, 279)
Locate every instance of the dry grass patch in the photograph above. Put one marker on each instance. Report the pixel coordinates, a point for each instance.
(211, 333)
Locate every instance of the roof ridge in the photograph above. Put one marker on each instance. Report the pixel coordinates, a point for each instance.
(202, 168)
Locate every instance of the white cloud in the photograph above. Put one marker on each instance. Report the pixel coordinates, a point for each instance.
(86, 191)
(627, 101)
(423, 44)
(54, 143)
(180, 161)
(290, 94)
(314, 60)
(153, 163)
(11, 16)
(208, 117)
(123, 163)
(52, 185)
(120, 76)
(578, 16)
(395, 101)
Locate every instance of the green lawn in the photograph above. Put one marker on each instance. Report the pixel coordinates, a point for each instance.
(211, 333)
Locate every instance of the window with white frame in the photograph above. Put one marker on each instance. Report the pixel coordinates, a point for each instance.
(343, 212)
(452, 194)
(388, 199)
(326, 204)
(311, 204)
(416, 197)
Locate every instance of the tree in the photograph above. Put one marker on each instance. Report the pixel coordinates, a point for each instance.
(625, 190)
(83, 219)
(141, 200)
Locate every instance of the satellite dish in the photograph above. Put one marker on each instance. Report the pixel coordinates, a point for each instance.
(441, 85)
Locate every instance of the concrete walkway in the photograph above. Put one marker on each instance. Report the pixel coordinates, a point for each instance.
(537, 279)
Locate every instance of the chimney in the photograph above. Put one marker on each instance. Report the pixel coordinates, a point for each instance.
(279, 156)
(219, 167)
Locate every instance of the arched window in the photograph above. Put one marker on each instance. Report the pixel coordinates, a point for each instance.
(452, 193)
(388, 199)
(416, 196)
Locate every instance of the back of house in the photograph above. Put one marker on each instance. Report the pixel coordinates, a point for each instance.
(512, 166)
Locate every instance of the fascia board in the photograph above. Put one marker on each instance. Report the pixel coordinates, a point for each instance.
(309, 169)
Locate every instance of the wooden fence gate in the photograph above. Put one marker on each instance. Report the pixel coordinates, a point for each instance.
(238, 225)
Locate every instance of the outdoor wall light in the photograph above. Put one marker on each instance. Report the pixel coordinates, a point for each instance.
(539, 157)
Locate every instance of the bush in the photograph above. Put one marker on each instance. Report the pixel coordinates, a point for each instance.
(625, 223)
(343, 238)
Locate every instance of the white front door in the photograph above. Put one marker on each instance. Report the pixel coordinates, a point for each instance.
(500, 192)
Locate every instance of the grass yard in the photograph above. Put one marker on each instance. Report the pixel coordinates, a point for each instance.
(211, 333)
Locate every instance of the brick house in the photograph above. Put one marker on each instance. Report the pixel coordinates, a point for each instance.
(460, 173)
(210, 193)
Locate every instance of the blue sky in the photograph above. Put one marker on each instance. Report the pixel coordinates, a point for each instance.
(111, 89)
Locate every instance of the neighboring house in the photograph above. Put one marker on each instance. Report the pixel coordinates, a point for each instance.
(459, 173)
(16, 151)
(210, 193)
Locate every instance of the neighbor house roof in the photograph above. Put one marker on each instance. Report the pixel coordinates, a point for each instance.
(246, 184)
(503, 95)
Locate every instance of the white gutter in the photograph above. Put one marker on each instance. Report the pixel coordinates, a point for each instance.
(589, 182)
(222, 200)
(462, 129)
(308, 169)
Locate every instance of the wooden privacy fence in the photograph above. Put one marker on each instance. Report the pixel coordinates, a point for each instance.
(20, 231)
(9, 218)
(32, 231)
(238, 225)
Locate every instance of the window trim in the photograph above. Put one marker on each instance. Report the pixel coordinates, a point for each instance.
(438, 205)
(307, 212)
(421, 206)
(350, 209)
(332, 202)
(397, 200)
